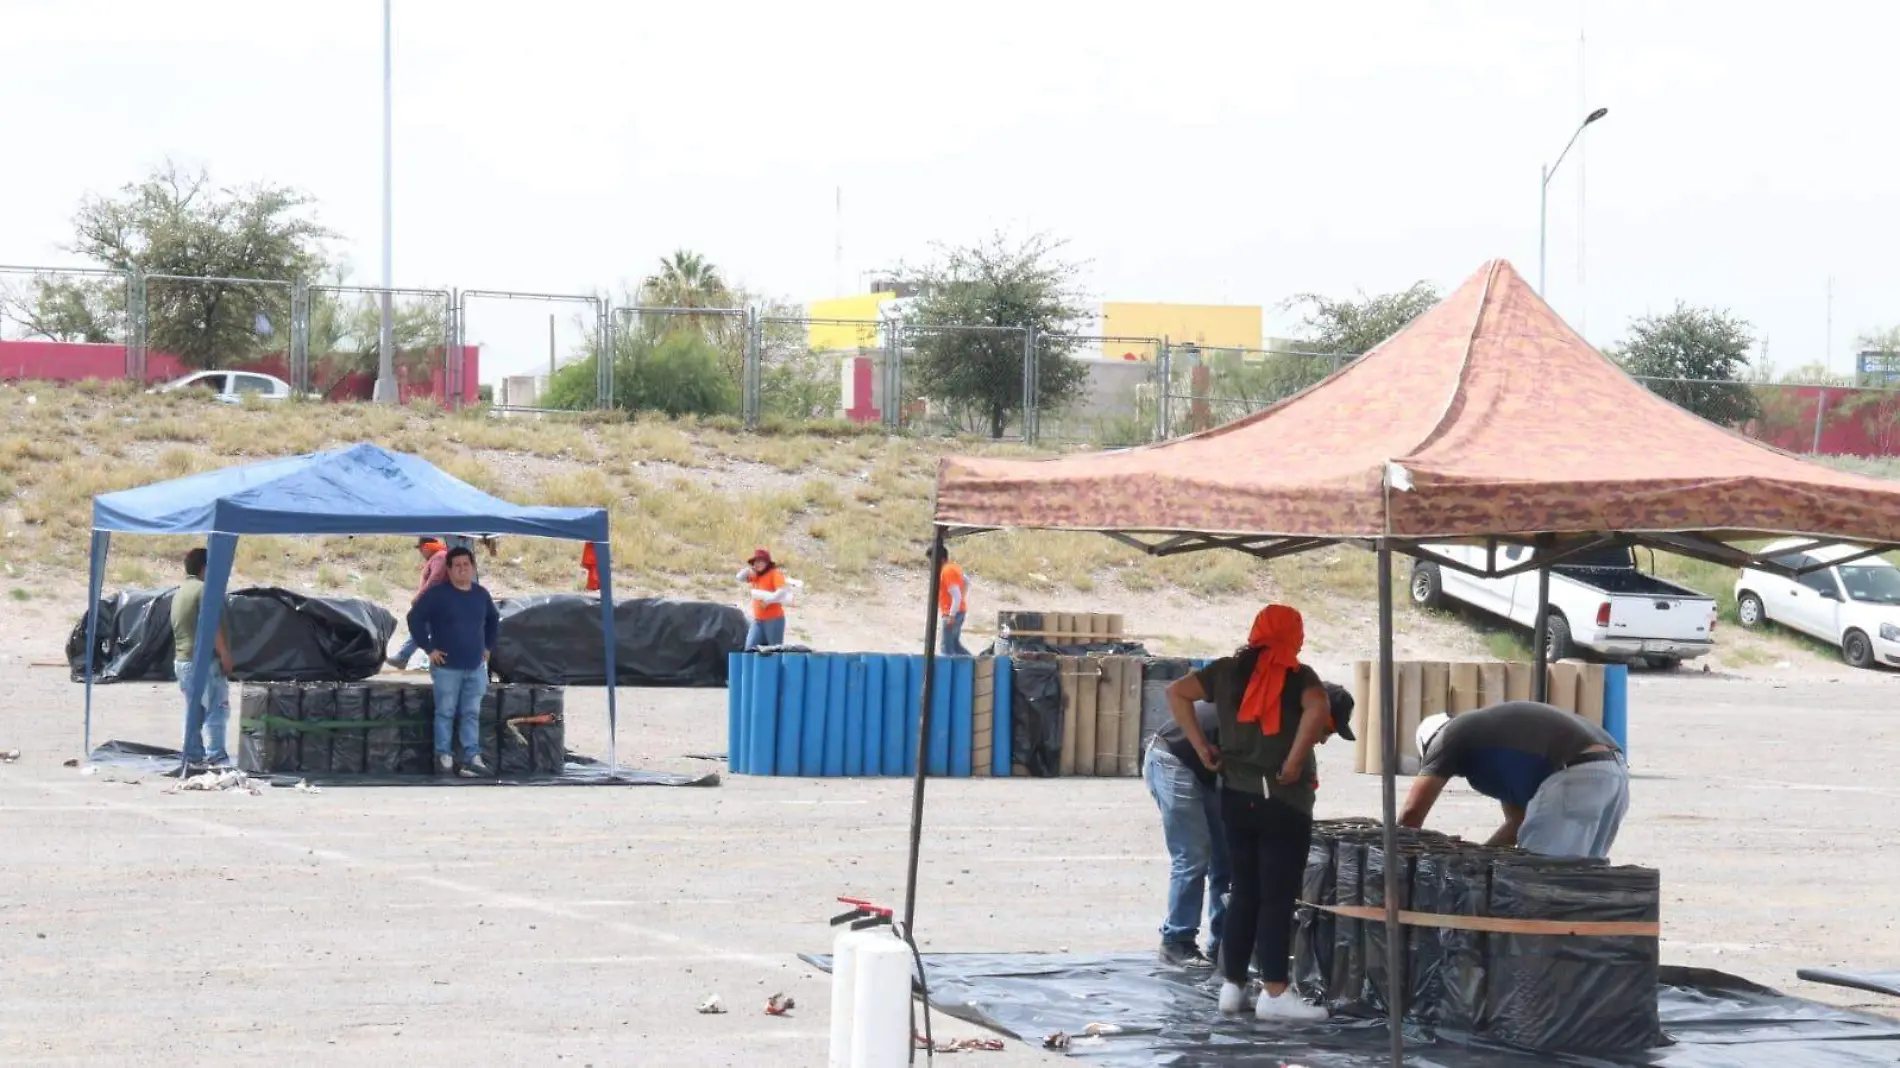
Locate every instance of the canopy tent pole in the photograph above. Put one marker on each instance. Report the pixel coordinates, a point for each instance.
(1388, 713)
(923, 729)
(604, 567)
(1540, 656)
(220, 551)
(101, 544)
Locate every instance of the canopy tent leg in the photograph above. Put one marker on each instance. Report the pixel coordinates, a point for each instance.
(1540, 656)
(1388, 713)
(220, 551)
(923, 731)
(101, 544)
(604, 565)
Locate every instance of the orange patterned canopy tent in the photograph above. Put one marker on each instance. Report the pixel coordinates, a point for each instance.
(1487, 416)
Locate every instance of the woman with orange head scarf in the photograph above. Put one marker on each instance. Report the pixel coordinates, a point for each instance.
(1273, 710)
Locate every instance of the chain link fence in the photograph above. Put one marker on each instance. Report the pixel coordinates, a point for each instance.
(762, 365)
(85, 312)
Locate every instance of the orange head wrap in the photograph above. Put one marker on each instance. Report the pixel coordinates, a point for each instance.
(1278, 633)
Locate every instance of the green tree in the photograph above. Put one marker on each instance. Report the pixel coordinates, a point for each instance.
(687, 280)
(679, 374)
(59, 309)
(1697, 358)
(345, 333)
(1355, 326)
(179, 224)
(978, 375)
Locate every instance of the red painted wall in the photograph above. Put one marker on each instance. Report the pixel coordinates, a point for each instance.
(1855, 422)
(62, 361)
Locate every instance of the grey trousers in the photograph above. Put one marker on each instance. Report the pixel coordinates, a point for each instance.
(1577, 811)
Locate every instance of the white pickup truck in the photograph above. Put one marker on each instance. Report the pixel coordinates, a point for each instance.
(1600, 603)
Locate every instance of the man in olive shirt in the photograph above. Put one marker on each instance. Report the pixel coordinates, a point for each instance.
(1560, 778)
(205, 720)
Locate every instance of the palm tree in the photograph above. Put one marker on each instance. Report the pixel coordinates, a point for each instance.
(687, 280)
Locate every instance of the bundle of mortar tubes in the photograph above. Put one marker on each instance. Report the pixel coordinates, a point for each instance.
(1590, 989)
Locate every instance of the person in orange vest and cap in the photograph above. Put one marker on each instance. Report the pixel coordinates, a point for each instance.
(435, 571)
(953, 607)
(768, 589)
(1272, 711)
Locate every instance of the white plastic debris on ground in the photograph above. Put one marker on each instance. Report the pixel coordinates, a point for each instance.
(223, 780)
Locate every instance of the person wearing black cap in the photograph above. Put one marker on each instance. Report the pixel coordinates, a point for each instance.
(1273, 712)
(1188, 795)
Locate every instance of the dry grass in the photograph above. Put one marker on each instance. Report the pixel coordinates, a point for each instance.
(850, 505)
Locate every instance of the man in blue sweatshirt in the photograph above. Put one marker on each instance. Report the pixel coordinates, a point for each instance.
(456, 624)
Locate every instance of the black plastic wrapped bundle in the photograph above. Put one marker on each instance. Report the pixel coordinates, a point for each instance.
(1425, 952)
(1380, 982)
(499, 744)
(1313, 928)
(319, 714)
(513, 752)
(283, 708)
(1346, 981)
(1582, 994)
(382, 748)
(253, 739)
(1463, 890)
(547, 744)
(415, 731)
(1036, 715)
(348, 745)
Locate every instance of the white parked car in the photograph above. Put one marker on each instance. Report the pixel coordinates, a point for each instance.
(1854, 606)
(232, 387)
(1600, 603)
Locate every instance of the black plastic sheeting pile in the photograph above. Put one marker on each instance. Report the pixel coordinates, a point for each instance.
(556, 640)
(276, 636)
(1168, 1017)
(1582, 994)
(140, 759)
(387, 728)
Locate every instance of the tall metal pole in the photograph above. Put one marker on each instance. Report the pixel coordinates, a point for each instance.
(1540, 657)
(1388, 713)
(386, 364)
(923, 733)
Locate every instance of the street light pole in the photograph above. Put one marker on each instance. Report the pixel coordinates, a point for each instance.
(1545, 174)
(386, 363)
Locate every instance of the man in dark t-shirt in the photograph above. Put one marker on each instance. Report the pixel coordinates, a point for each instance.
(1560, 779)
(1188, 795)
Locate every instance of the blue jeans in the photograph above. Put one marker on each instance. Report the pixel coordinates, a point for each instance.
(1577, 811)
(1198, 868)
(765, 632)
(406, 651)
(458, 709)
(951, 630)
(205, 722)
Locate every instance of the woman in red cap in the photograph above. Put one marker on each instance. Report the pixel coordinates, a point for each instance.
(768, 590)
(1273, 710)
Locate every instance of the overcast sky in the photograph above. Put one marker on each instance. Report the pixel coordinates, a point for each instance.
(1188, 151)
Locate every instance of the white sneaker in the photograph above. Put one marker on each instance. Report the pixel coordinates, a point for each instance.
(1289, 1007)
(1230, 1004)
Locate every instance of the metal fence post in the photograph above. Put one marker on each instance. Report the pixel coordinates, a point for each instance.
(606, 364)
(1820, 415)
(1029, 385)
(752, 378)
(299, 354)
(135, 321)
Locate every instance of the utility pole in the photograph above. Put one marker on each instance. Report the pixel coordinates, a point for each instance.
(1827, 348)
(386, 362)
(1543, 192)
(550, 343)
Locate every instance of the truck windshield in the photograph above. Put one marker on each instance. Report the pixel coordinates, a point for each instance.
(1609, 556)
(1872, 583)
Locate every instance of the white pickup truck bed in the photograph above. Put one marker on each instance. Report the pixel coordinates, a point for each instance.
(1600, 603)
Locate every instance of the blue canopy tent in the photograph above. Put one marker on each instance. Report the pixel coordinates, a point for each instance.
(357, 489)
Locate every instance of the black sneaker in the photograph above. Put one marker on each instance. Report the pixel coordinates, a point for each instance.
(1185, 955)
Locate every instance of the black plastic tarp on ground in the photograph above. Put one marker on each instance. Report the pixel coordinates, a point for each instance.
(1167, 1017)
(143, 759)
(276, 636)
(555, 640)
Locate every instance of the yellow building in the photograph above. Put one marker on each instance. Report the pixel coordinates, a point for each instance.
(1211, 326)
(842, 336)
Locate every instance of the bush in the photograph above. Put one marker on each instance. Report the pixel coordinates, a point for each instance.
(680, 374)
